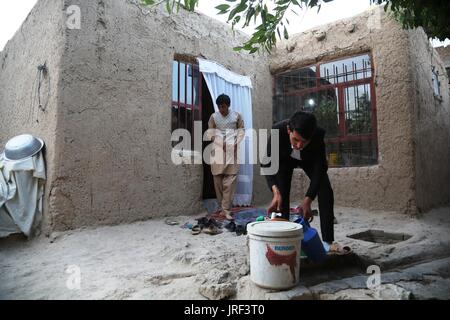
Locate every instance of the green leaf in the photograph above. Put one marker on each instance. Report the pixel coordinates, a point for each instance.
(239, 8)
(223, 8)
(281, 8)
(270, 17)
(250, 13)
(169, 10)
(192, 5)
(248, 46)
(431, 15)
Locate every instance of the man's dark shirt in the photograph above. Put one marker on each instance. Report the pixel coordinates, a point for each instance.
(313, 157)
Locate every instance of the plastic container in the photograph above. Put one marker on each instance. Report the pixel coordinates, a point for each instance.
(312, 246)
(275, 253)
(22, 147)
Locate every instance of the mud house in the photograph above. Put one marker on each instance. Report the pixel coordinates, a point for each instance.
(108, 95)
(444, 53)
(380, 92)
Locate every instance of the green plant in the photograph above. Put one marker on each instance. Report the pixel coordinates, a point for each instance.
(431, 15)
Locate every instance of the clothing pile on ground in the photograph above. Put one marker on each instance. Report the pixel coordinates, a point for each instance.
(214, 223)
(21, 189)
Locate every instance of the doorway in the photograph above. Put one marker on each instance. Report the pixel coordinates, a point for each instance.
(207, 110)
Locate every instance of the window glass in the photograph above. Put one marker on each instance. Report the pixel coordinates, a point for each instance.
(182, 82)
(195, 83)
(285, 106)
(324, 105)
(174, 117)
(182, 118)
(359, 152)
(346, 111)
(345, 70)
(189, 84)
(448, 75)
(435, 82)
(175, 81)
(358, 110)
(189, 120)
(186, 104)
(296, 80)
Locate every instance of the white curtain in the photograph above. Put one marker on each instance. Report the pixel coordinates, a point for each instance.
(221, 80)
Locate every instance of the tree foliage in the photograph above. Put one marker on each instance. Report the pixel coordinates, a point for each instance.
(431, 15)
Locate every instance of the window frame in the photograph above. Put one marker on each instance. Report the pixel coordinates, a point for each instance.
(184, 106)
(343, 135)
(435, 83)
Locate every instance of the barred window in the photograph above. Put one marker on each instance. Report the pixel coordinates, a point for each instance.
(435, 81)
(186, 91)
(341, 95)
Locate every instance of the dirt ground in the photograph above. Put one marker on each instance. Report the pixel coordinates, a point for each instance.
(154, 260)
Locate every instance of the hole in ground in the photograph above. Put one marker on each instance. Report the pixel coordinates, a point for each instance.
(333, 268)
(379, 236)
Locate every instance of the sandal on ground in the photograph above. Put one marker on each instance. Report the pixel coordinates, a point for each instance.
(203, 222)
(171, 221)
(196, 229)
(187, 225)
(231, 226)
(337, 249)
(241, 230)
(212, 230)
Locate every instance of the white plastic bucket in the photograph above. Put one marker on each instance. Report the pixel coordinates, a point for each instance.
(275, 248)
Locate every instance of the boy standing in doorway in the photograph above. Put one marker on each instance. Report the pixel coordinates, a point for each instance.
(228, 134)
